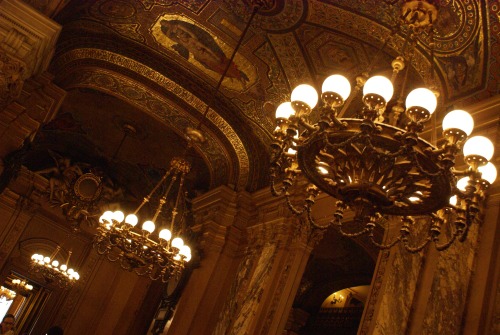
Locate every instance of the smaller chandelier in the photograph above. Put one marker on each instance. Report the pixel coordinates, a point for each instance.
(21, 286)
(53, 272)
(157, 256)
(7, 294)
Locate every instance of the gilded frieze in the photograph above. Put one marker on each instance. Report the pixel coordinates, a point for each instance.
(129, 30)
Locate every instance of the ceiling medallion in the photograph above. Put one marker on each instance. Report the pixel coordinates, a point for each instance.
(374, 165)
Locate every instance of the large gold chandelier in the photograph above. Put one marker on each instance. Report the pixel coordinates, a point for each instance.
(376, 168)
(159, 256)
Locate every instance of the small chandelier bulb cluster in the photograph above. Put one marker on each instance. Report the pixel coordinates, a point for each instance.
(52, 271)
(376, 168)
(7, 294)
(21, 286)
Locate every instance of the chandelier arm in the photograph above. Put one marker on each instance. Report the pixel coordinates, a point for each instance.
(313, 222)
(359, 233)
(417, 248)
(274, 191)
(307, 125)
(413, 155)
(110, 257)
(336, 146)
(98, 246)
(383, 246)
(446, 245)
(398, 153)
(292, 207)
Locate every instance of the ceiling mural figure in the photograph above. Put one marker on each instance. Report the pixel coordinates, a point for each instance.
(201, 49)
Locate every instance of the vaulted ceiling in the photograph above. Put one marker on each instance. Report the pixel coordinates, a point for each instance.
(154, 66)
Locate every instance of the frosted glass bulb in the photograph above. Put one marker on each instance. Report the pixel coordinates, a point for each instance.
(148, 226)
(185, 250)
(285, 110)
(34, 257)
(131, 219)
(106, 216)
(479, 145)
(76, 275)
(46, 260)
(459, 119)
(338, 84)
(118, 216)
(462, 183)
(165, 234)
(379, 85)
(488, 172)
(70, 271)
(55, 263)
(422, 97)
(305, 93)
(177, 242)
(188, 258)
(64, 267)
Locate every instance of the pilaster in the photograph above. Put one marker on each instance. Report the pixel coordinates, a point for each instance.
(220, 216)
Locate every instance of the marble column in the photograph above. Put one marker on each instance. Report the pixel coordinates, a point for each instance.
(449, 292)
